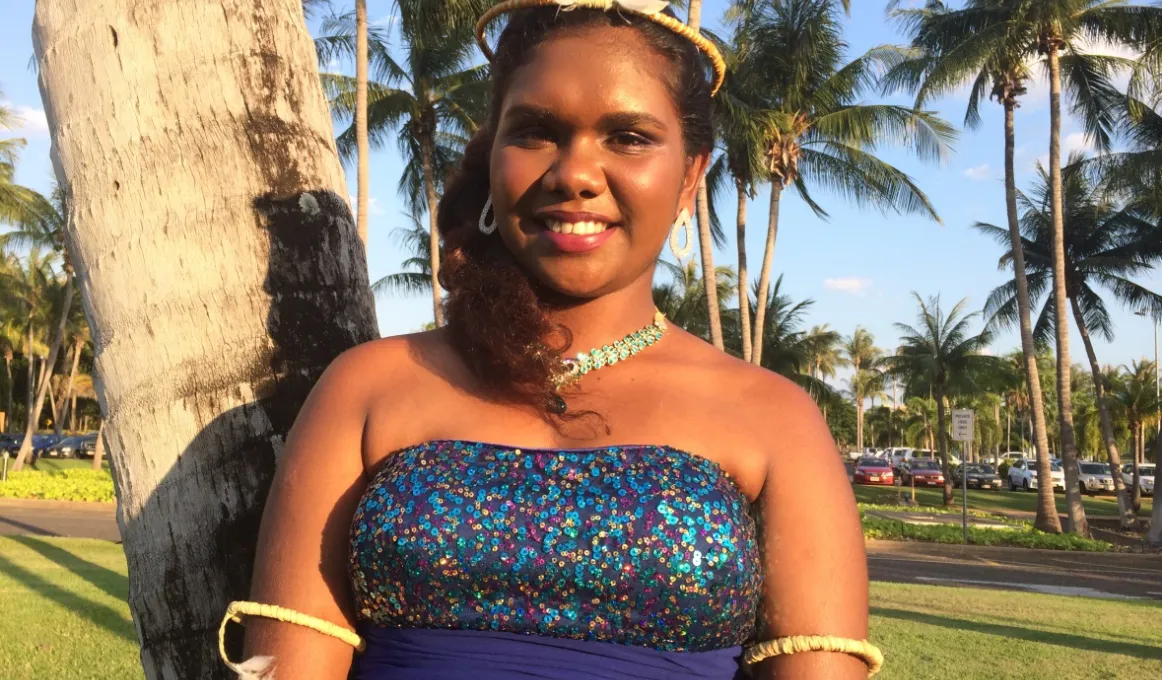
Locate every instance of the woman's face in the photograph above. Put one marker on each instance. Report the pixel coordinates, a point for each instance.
(588, 167)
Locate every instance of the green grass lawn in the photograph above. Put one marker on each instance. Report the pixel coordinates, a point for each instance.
(59, 464)
(63, 616)
(969, 634)
(997, 501)
(62, 610)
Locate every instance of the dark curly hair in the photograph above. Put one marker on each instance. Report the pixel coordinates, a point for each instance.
(495, 311)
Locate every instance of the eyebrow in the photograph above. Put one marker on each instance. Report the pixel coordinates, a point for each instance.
(617, 119)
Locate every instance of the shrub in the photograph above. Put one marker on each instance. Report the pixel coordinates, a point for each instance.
(63, 485)
(1003, 470)
(1023, 536)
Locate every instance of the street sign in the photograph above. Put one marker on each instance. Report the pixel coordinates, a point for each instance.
(962, 425)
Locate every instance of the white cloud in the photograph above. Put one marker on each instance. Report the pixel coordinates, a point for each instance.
(373, 208)
(980, 173)
(385, 21)
(29, 121)
(851, 285)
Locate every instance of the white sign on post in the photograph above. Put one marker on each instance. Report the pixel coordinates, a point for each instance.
(962, 425)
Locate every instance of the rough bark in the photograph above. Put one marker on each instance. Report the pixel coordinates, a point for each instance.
(426, 144)
(705, 241)
(1125, 513)
(1046, 519)
(1076, 511)
(363, 150)
(220, 271)
(765, 275)
(743, 276)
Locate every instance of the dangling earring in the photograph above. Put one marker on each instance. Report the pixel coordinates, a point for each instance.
(485, 227)
(683, 223)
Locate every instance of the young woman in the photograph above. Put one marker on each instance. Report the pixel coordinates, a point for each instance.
(482, 501)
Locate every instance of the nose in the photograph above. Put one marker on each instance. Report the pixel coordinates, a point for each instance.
(576, 172)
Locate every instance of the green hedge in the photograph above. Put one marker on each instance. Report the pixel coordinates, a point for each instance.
(63, 485)
(1028, 537)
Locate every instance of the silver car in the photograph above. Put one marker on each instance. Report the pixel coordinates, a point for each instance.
(1145, 477)
(1093, 478)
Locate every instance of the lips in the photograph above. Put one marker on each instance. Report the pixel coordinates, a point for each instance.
(575, 233)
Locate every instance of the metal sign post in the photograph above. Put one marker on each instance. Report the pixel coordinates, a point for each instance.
(963, 428)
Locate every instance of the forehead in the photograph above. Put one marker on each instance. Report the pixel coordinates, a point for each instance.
(589, 72)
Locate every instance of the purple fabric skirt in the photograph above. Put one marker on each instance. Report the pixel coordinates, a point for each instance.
(442, 654)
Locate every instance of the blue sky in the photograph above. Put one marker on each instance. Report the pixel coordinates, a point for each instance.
(859, 267)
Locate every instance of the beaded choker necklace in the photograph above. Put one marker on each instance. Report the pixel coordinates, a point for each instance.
(586, 362)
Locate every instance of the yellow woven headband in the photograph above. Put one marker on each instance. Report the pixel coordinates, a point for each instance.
(650, 9)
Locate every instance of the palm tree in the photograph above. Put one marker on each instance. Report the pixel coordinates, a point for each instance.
(15, 200)
(1106, 246)
(949, 53)
(681, 300)
(429, 104)
(861, 353)
(921, 419)
(705, 239)
(942, 355)
(1133, 389)
(820, 132)
(415, 274)
(863, 385)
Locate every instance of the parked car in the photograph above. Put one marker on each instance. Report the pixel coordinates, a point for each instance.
(854, 455)
(81, 446)
(872, 470)
(980, 476)
(1093, 478)
(923, 472)
(1023, 475)
(1145, 477)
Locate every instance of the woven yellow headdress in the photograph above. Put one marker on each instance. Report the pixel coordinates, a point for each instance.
(650, 9)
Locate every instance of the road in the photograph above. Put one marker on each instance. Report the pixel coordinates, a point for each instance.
(1108, 575)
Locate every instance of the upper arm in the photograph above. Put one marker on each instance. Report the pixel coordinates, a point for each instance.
(815, 580)
(301, 560)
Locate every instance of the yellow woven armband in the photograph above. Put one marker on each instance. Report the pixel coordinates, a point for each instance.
(865, 650)
(236, 610)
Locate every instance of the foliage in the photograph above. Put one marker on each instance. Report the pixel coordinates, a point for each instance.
(897, 530)
(61, 485)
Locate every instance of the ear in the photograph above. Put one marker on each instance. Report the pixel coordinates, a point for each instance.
(695, 171)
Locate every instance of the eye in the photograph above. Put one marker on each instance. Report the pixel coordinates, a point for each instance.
(630, 138)
(532, 134)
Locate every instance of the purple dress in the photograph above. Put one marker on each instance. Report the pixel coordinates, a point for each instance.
(481, 561)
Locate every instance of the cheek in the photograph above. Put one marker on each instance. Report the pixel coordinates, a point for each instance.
(648, 191)
(514, 173)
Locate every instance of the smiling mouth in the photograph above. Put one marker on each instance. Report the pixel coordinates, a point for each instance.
(575, 228)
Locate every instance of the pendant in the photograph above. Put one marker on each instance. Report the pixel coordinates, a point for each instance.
(557, 405)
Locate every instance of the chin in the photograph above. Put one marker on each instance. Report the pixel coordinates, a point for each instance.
(578, 280)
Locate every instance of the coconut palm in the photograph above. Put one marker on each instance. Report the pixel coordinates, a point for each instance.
(681, 300)
(429, 103)
(941, 354)
(15, 200)
(951, 52)
(705, 237)
(1134, 390)
(1106, 246)
(921, 421)
(865, 384)
(861, 353)
(820, 132)
(827, 353)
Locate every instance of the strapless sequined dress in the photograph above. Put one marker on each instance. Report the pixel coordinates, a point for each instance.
(480, 561)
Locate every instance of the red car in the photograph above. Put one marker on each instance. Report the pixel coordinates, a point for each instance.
(923, 473)
(873, 471)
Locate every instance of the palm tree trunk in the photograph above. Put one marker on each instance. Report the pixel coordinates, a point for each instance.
(705, 242)
(361, 143)
(765, 274)
(35, 406)
(1046, 519)
(26, 444)
(1135, 479)
(1077, 521)
(426, 146)
(8, 417)
(54, 409)
(199, 400)
(743, 277)
(1127, 516)
(99, 447)
(942, 434)
(70, 394)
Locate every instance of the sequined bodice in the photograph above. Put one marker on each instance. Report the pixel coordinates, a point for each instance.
(638, 545)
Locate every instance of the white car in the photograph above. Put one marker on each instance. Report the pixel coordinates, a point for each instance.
(1145, 477)
(1023, 475)
(1094, 478)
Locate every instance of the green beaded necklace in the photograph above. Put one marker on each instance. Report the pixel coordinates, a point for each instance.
(600, 357)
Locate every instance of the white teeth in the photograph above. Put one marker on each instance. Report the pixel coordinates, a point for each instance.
(580, 228)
